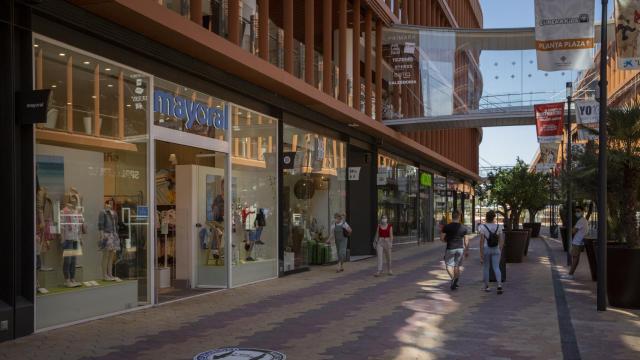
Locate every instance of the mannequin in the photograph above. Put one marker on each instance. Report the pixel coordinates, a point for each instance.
(165, 183)
(44, 221)
(260, 223)
(72, 223)
(249, 215)
(109, 242)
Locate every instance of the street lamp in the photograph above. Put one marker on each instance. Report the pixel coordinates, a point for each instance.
(602, 167)
(569, 224)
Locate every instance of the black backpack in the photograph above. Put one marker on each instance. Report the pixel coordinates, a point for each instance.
(494, 239)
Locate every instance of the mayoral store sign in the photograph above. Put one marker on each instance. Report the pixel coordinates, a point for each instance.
(190, 111)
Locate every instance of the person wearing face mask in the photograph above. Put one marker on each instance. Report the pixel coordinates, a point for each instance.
(340, 232)
(383, 243)
(579, 231)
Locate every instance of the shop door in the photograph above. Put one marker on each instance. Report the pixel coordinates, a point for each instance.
(190, 228)
(362, 202)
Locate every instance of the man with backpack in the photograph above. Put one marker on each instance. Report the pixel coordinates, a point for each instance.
(455, 235)
(491, 243)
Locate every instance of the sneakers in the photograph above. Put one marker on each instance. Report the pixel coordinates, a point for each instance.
(500, 290)
(260, 242)
(250, 259)
(454, 284)
(486, 289)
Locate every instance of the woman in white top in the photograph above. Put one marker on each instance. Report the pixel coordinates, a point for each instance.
(491, 243)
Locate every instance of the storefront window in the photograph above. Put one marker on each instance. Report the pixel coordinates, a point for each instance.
(180, 108)
(254, 196)
(314, 177)
(398, 196)
(441, 217)
(92, 204)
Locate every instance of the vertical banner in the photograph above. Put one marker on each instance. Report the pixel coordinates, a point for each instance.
(548, 157)
(627, 15)
(587, 118)
(564, 34)
(549, 120)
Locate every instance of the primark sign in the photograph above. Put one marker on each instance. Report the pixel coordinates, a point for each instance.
(190, 111)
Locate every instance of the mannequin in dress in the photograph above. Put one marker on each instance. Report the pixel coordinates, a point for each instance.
(72, 224)
(109, 241)
(44, 220)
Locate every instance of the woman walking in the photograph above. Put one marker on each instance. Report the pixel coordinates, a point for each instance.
(340, 232)
(491, 243)
(383, 243)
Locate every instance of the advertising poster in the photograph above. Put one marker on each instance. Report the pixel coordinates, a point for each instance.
(587, 118)
(549, 120)
(548, 157)
(627, 17)
(564, 34)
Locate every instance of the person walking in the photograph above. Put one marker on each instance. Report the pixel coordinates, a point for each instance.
(577, 242)
(383, 243)
(340, 232)
(455, 235)
(491, 244)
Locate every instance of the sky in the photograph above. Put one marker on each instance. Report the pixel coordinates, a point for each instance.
(514, 72)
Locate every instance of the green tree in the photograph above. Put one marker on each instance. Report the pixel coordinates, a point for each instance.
(535, 193)
(505, 189)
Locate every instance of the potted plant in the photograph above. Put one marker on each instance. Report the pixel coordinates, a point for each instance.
(623, 202)
(504, 190)
(535, 200)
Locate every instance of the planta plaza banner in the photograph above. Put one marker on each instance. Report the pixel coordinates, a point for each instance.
(549, 120)
(627, 16)
(564, 34)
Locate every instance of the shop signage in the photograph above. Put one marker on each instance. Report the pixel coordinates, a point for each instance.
(288, 159)
(627, 33)
(354, 173)
(564, 34)
(549, 119)
(190, 111)
(33, 106)
(142, 211)
(588, 119)
(425, 179)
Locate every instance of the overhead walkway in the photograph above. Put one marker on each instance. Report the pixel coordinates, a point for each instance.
(474, 78)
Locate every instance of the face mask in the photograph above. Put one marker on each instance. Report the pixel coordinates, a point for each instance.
(383, 221)
(578, 215)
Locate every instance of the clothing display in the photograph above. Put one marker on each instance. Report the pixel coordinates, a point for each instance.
(166, 187)
(108, 224)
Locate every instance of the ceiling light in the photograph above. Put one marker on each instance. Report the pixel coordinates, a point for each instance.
(128, 105)
(354, 125)
(35, 45)
(107, 69)
(86, 62)
(110, 85)
(53, 86)
(62, 54)
(93, 96)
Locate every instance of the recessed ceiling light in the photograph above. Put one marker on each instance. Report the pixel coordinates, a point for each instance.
(218, 106)
(107, 69)
(68, 103)
(110, 85)
(93, 96)
(62, 54)
(128, 105)
(86, 62)
(239, 113)
(35, 45)
(53, 86)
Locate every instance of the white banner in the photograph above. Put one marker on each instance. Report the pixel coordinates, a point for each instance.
(564, 34)
(627, 15)
(587, 119)
(548, 157)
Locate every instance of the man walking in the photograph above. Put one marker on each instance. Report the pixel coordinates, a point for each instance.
(577, 242)
(454, 234)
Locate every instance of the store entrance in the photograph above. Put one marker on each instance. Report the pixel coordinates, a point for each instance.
(190, 208)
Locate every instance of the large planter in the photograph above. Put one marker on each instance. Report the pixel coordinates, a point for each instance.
(623, 276)
(535, 228)
(514, 245)
(566, 240)
(590, 249)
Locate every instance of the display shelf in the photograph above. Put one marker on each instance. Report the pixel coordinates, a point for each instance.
(88, 141)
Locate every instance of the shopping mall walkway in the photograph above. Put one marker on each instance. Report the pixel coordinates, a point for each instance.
(352, 315)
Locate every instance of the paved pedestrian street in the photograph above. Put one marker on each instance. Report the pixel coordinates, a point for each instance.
(322, 314)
